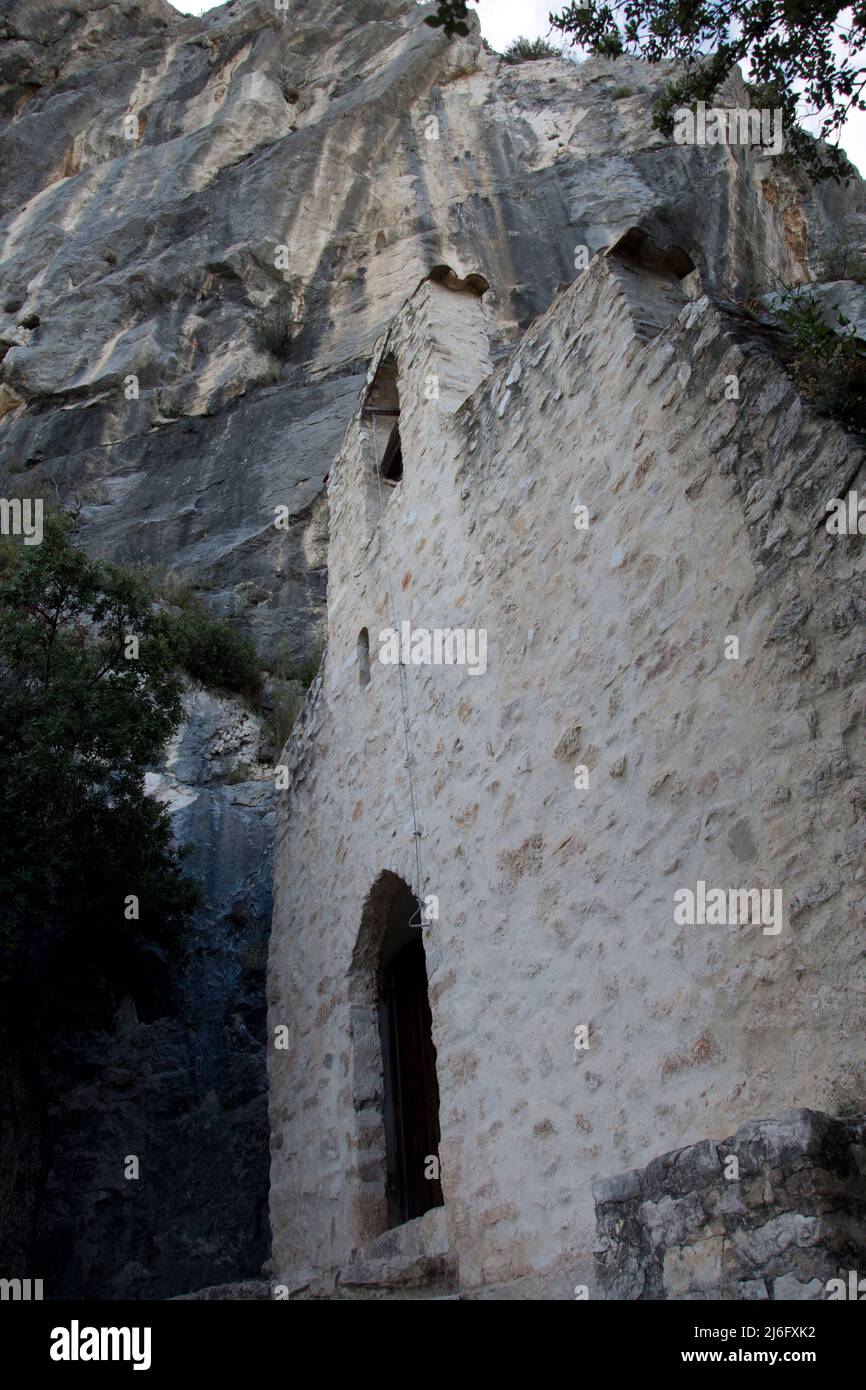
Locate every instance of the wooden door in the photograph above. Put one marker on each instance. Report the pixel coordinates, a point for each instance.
(411, 1087)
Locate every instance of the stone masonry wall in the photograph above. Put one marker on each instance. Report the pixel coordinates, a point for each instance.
(782, 1221)
(606, 648)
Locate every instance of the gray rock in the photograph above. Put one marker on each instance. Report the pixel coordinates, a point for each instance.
(801, 1196)
(180, 1083)
(787, 1287)
(834, 297)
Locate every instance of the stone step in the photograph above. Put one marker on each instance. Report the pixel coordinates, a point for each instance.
(426, 1275)
(241, 1292)
(393, 1296)
(427, 1235)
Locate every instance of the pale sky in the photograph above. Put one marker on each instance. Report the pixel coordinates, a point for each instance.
(501, 20)
(505, 20)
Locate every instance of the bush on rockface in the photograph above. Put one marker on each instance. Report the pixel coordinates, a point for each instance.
(845, 261)
(274, 330)
(292, 679)
(212, 651)
(524, 50)
(830, 363)
(209, 649)
(280, 720)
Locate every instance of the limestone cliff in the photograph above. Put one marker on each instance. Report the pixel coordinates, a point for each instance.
(251, 129)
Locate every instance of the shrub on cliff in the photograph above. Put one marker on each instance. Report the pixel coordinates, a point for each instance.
(529, 51)
(844, 261)
(213, 652)
(274, 330)
(91, 886)
(830, 364)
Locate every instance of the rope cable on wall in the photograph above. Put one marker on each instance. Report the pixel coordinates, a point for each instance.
(404, 694)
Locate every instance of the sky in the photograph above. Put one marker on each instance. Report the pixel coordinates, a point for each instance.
(505, 20)
(501, 20)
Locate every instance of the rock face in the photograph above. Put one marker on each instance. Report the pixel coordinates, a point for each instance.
(180, 1082)
(838, 300)
(176, 156)
(205, 226)
(778, 1210)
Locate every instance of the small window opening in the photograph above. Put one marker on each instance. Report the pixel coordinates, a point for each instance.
(382, 408)
(364, 657)
(392, 459)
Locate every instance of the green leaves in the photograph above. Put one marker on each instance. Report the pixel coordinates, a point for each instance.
(213, 652)
(524, 50)
(81, 718)
(830, 367)
(451, 16)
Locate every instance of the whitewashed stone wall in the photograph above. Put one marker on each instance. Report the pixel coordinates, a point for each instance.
(605, 648)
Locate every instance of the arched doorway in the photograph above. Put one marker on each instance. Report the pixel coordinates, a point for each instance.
(394, 1081)
(410, 1110)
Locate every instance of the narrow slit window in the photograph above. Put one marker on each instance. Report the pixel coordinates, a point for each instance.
(363, 657)
(392, 459)
(382, 408)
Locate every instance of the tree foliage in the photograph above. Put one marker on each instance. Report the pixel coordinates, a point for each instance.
(450, 16)
(80, 720)
(797, 55)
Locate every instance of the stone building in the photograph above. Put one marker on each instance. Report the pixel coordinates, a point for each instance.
(493, 851)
